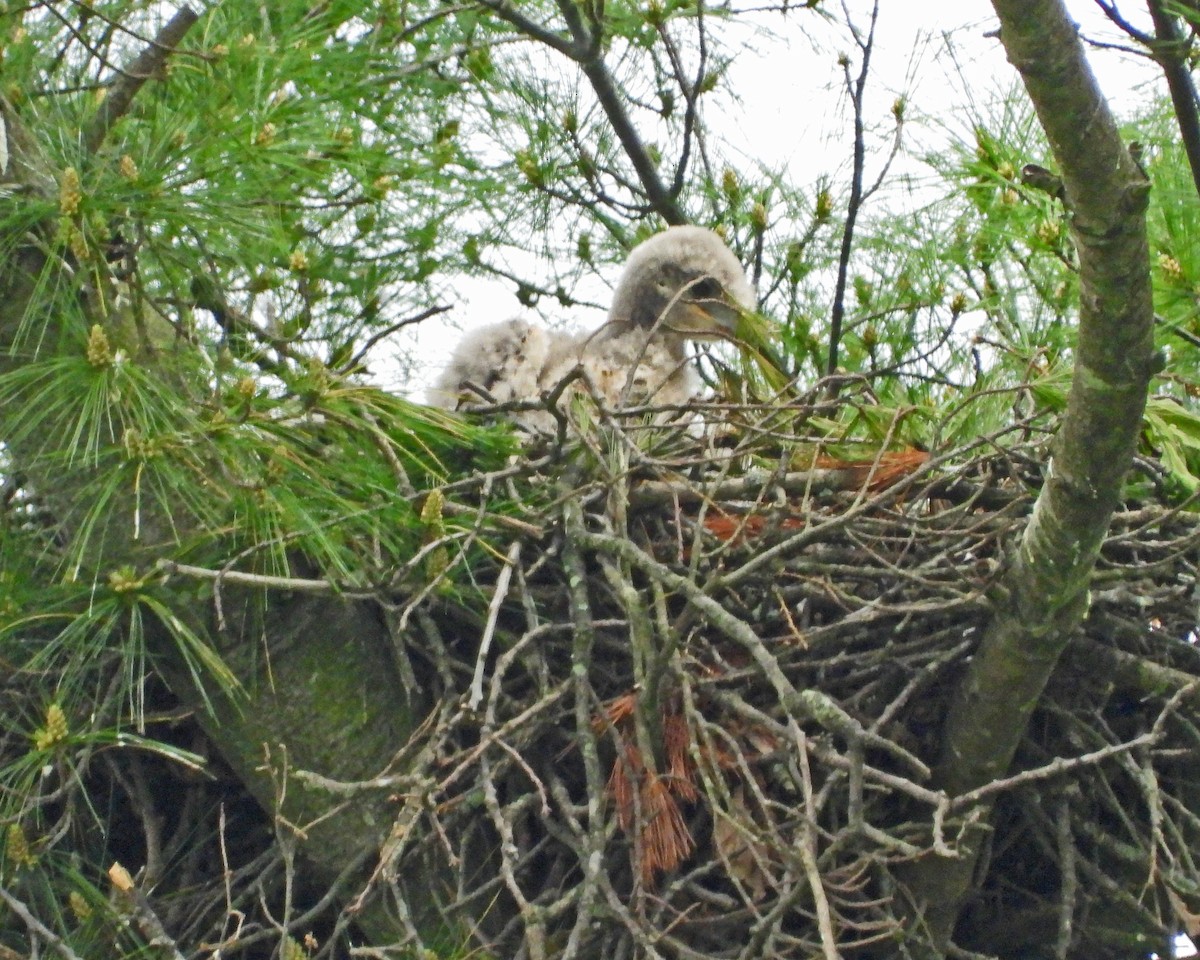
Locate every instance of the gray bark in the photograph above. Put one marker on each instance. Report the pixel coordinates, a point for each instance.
(1043, 596)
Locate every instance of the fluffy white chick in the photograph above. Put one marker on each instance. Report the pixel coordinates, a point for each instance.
(682, 284)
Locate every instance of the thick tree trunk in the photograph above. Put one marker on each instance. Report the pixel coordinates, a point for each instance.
(319, 691)
(1043, 596)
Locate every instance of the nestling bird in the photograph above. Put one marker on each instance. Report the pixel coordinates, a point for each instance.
(682, 284)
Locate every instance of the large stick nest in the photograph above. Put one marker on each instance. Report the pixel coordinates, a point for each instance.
(684, 691)
(694, 711)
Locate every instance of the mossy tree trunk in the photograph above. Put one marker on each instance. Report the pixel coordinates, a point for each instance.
(318, 690)
(1043, 596)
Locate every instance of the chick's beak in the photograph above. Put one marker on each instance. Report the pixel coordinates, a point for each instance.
(708, 319)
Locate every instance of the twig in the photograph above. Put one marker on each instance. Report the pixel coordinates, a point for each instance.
(138, 907)
(589, 46)
(691, 93)
(1069, 885)
(832, 757)
(506, 10)
(353, 363)
(808, 853)
(1054, 768)
(585, 49)
(593, 842)
(516, 524)
(656, 493)
(135, 74)
(260, 580)
(855, 88)
(811, 704)
(1113, 14)
(37, 927)
(1170, 49)
(489, 629)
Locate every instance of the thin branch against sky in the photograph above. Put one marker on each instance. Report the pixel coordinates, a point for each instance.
(783, 107)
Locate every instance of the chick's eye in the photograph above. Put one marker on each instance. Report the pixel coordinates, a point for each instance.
(706, 289)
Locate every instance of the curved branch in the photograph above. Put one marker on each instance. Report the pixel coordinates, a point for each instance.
(1043, 596)
(1170, 50)
(506, 11)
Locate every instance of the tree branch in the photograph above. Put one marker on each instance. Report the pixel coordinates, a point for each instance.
(808, 704)
(35, 926)
(145, 65)
(585, 49)
(855, 88)
(660, 197)
(1170, 50)
(1043, 596)
(505, 10)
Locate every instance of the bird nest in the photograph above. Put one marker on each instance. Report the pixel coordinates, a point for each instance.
(688, 699)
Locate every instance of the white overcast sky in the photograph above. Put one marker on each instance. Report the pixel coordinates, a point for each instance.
(794, 111)
(936, 53)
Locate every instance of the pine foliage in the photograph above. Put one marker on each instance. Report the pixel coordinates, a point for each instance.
(629, 690)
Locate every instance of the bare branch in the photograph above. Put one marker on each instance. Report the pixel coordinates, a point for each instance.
(855, 88)
(1170, 48)
(36, 927)
(507, 11)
